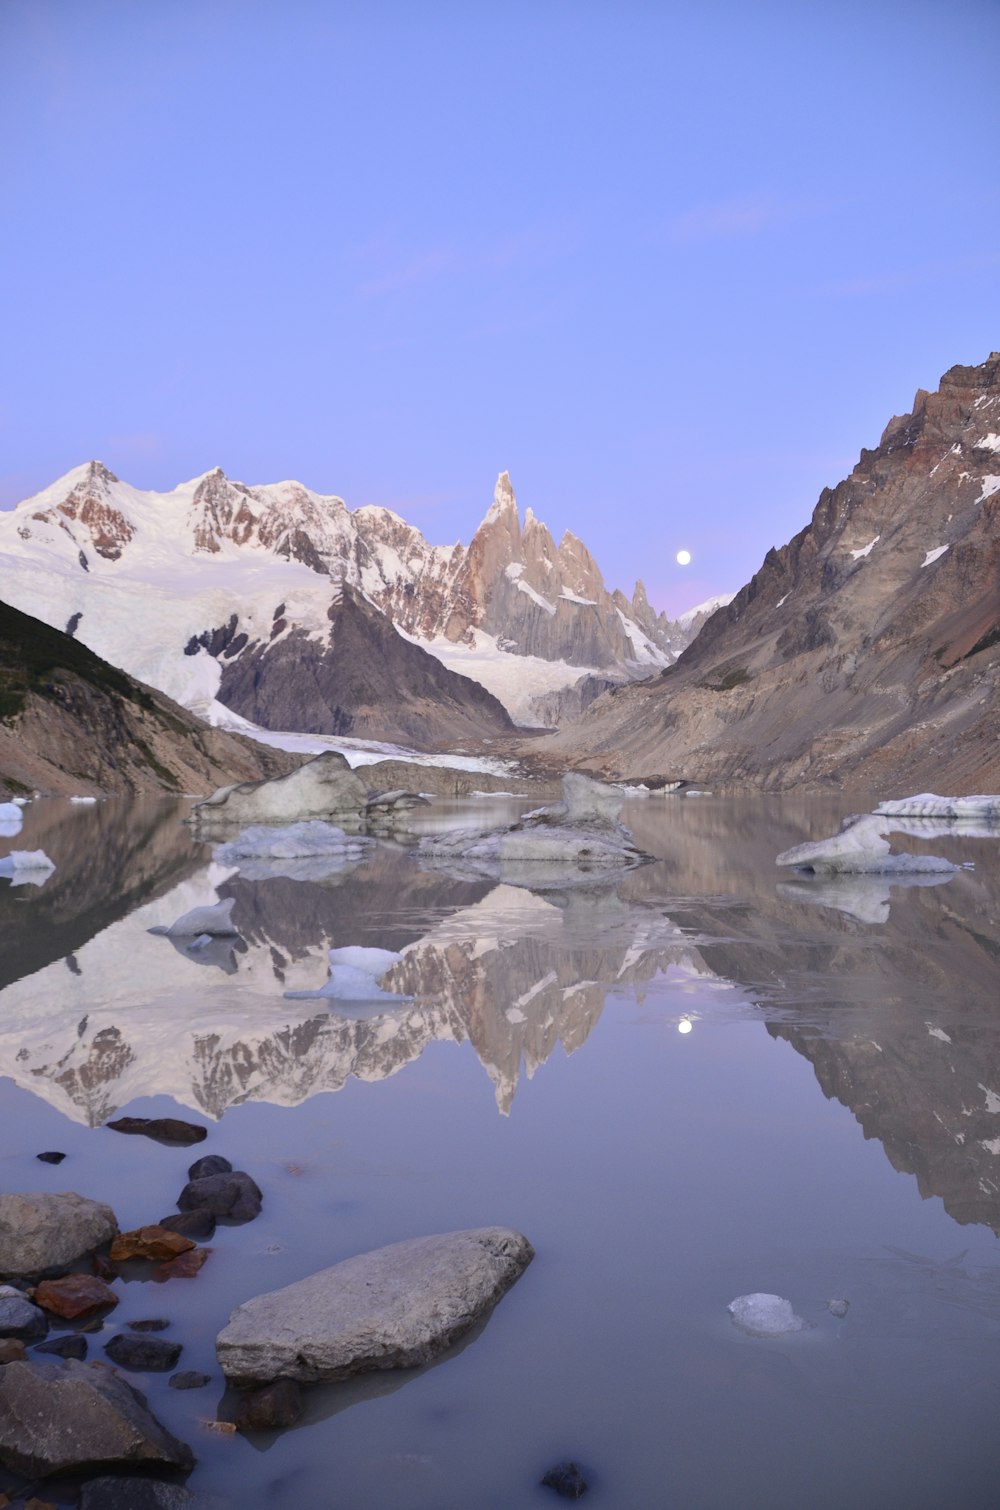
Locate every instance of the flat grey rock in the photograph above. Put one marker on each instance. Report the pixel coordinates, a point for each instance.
(43, 1230)
(66, 1417)
(114, 1493)
(396, 1307)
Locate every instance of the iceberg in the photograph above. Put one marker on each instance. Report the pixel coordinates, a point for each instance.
(310, 851)
(25, 860)
(763, 1315)
(581, 832)
(354, 975)
(215, 921)
(863, 896)
(859, 848)
(928, 805)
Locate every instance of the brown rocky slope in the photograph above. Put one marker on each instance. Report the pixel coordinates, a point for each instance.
(70, 723)
(866, 651)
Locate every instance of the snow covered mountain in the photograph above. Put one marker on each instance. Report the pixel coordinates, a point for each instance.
(210, 591)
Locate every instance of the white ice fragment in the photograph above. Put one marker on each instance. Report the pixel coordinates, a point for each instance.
(764, 1315)
(215, 921)
(295, 841)
(933, 555)
(938, 1033)
(859, 847)
(782, 600)
(25, 860)
(991, 483)
(10, 812)
(989, 442)
(929, 805)
(83, 799)
(354, 975)
(866, 549)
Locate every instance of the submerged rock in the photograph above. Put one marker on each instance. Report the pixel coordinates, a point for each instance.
(762, 1315)
(67, 1417)
(189, 1379)
(567, 1480)
(72, 1345)
(42, 1230)
(396, 1307)
(196, 1224)
(144, 1494)
(276, 1405)
(143, 1354)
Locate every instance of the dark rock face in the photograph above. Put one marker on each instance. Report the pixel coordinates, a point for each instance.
(70, 1346)
(867, 649)
(143, 1354)
(232, 1197)
(161, 1129)
(364, 679)
(68, 1417)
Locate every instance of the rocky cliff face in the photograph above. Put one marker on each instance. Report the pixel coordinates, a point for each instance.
(213, 591)
(70, 723)
(867, 650)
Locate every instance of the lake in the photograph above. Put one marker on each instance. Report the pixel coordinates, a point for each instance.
(703, 1079)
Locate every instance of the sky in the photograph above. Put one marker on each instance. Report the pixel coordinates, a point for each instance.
(671, 265)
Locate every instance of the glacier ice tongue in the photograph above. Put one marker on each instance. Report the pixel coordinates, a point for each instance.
(762, 1315)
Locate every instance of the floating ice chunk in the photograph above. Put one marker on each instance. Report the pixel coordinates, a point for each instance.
(25, 860)
(859, 847)
(10, 828)
(864, 897)
(83, 799)
(838, 1308)
(764, 1315)
(296, 841)
(215, 921)
(10, 812)
(929, 805)
(354, 976)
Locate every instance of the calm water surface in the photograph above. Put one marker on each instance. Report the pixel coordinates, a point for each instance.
(704, 1080)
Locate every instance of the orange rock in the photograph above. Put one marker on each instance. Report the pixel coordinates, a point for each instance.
(149, 1242)
(184, 1266)
(74, 1295)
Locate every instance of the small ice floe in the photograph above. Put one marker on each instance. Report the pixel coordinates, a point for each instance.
(309, 851)
(858, 848)
(838, 1308)
(929, 805)
(27, 863)
(764, 1315)
(354, 976)
(215, 921)
(10, 812)
(83, 799)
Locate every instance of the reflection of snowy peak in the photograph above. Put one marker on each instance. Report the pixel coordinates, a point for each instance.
(179, 588)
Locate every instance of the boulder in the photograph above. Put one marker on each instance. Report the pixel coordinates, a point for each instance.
(396, 1307)
(69, 1345)
(19, 1318)
(12, 1348)
(67, 1417)
(234, 1197)
(42, 1230)
(268, 1409)
(74, 1295)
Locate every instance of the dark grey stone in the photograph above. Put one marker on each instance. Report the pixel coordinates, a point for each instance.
(143, 1354)
(234, 1197)
(212, 1163)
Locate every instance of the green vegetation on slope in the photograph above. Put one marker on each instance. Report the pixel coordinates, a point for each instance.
(32, 657)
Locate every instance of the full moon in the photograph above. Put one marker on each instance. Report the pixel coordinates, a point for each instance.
(683, 558)
(685, 1025)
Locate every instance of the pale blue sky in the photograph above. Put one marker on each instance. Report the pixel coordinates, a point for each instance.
(672, 265)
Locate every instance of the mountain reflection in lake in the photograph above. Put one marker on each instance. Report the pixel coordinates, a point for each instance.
(659, 1174)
